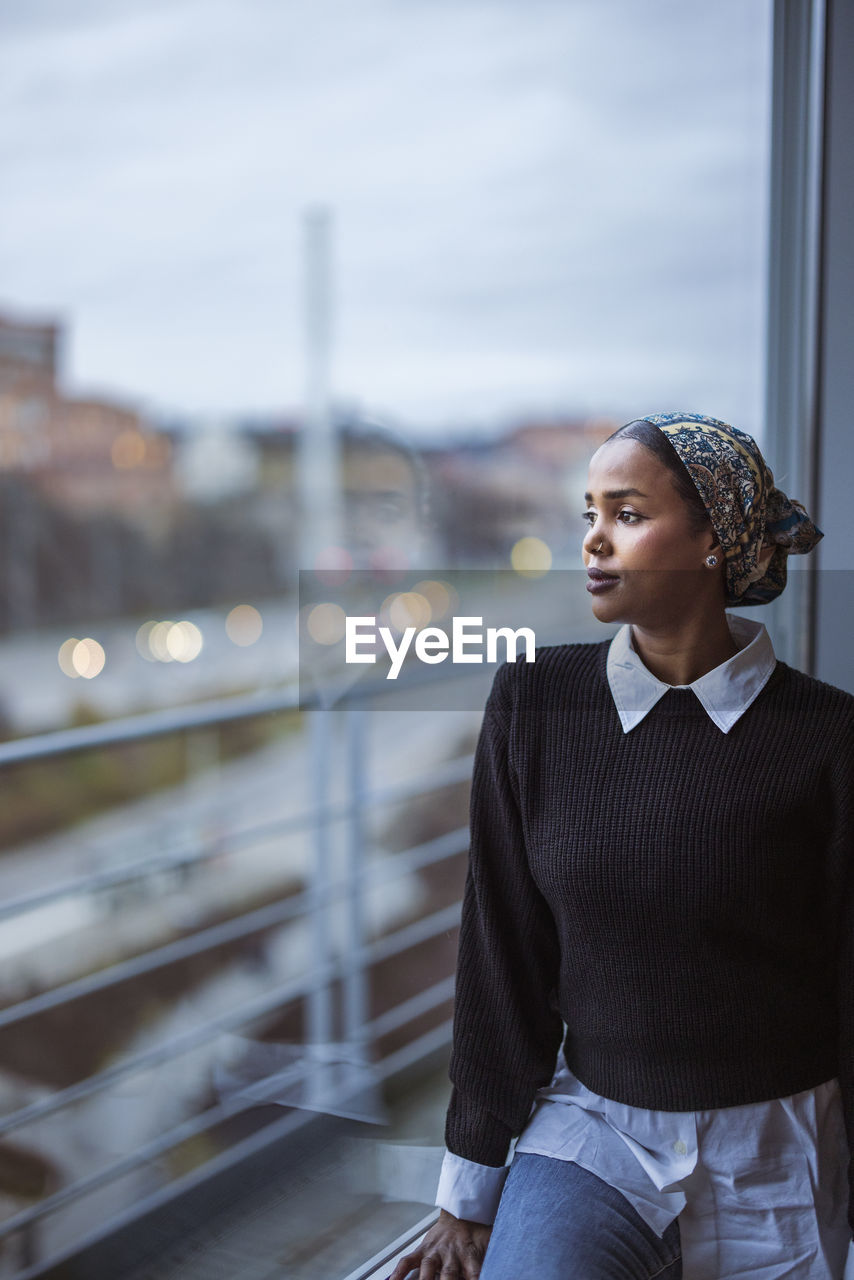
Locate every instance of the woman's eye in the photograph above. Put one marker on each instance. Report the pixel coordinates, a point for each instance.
(627, 517)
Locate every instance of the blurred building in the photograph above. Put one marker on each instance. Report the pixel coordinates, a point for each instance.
(28, 356)
(214, 459)
(90, 455)
(529, 482)
(28, 371)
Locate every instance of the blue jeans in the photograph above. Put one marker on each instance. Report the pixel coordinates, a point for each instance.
(556, 1221)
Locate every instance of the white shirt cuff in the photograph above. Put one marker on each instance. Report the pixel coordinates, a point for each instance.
(469, 1190)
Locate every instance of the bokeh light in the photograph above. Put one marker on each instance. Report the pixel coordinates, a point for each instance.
(244, 625)
(407, 609)
(325, 623)
(184, 641)
(169, 641)
(88, 658)
(158, 638)
(439, 595)
(65, 657)
(142, 640)
(531, 557)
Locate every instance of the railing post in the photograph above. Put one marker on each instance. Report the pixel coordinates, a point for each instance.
(355, 987)
(320, 874)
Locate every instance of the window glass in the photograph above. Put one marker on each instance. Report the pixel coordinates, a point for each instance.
(309, 311)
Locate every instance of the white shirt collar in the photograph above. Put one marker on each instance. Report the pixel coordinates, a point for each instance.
(726, 691)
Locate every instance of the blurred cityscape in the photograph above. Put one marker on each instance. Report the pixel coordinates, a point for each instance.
(112, 516)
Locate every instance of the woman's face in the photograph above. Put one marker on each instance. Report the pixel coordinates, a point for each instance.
(641, 535)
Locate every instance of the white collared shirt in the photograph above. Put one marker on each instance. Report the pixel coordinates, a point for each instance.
(652, 1157)
(726, 691)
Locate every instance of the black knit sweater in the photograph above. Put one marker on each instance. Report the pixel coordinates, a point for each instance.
(681, 898)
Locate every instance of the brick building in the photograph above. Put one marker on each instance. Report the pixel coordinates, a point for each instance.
(92, 455)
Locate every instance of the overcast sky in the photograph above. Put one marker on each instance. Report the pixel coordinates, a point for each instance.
(539, 205)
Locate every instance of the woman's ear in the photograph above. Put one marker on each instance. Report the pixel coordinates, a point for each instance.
(716, 550)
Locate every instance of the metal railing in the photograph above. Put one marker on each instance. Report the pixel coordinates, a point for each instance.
(331, 962)
(377, 1267)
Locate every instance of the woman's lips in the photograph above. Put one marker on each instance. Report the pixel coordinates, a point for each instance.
(598, 581)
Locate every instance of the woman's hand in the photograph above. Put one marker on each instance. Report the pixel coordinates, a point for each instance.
(452, 1249)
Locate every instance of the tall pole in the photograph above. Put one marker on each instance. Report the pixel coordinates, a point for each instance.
(318, 462)
(318, 531)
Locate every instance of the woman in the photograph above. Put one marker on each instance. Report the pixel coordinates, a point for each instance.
(660, 896)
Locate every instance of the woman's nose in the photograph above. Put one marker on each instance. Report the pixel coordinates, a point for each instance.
(594, 538)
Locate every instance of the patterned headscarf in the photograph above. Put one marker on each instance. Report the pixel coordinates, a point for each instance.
(744, 506)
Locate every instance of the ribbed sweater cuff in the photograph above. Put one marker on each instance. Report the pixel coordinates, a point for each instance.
(474, 1133)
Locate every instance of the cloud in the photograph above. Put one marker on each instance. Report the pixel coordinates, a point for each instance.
(555, 203)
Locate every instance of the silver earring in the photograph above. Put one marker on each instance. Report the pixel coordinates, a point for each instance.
(711, 561)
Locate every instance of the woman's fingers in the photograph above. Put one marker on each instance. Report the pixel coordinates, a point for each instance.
(411, 1266)
(407, 1263)
(458, 1261)
(452, 1249)
(415, 1266)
